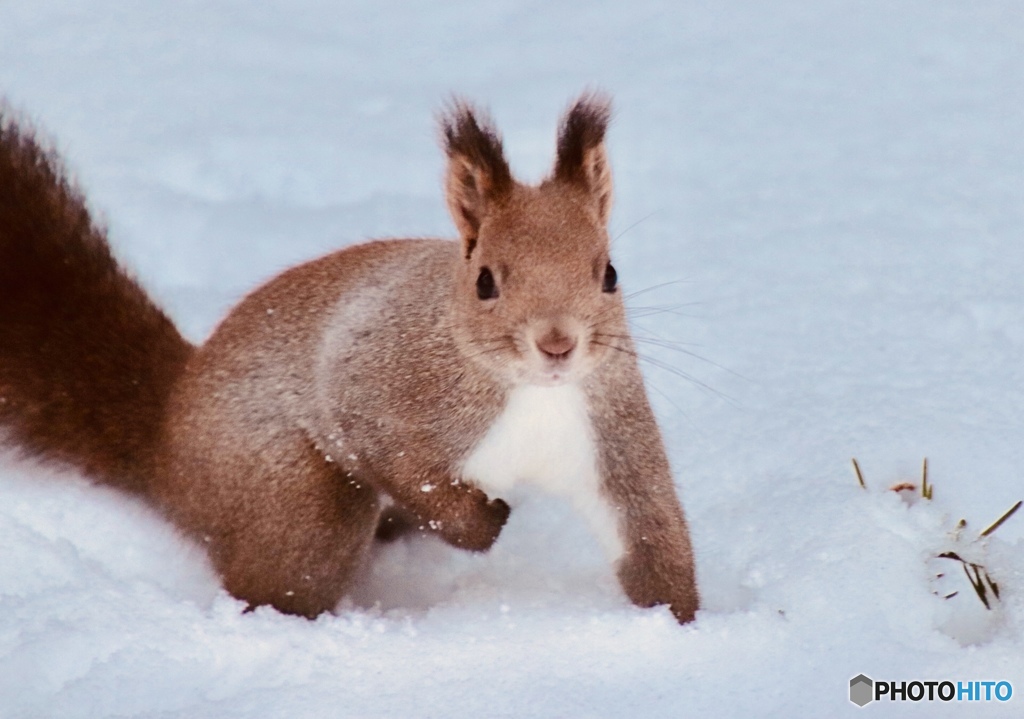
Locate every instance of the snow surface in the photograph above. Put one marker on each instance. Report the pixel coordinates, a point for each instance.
(824, 201)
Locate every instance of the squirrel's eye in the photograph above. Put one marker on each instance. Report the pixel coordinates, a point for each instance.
(485, 287)
(611, 279)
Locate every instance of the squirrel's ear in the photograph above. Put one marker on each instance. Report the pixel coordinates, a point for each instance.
(582, 159)
(477, 174)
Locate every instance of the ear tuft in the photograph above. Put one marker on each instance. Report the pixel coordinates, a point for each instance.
(478, 173)
(582, 159)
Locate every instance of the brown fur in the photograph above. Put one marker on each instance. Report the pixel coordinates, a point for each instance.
(86, 360)
(372, 372)
(478, 175)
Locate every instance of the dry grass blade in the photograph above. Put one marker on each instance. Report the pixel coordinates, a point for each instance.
(977, 583)
(999, 522)
(860, 477)
(977, 575)
(926, 489)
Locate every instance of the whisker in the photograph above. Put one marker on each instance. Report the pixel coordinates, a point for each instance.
(636, 312)
(487, 350)
(491, 345)
(669, 344)
(650, 383)
(679, 347)
(645, 290)
(638, 222)
(667, 368)
(492, 340)
(667, 398)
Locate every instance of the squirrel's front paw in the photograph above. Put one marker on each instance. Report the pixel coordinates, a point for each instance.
(477, 528)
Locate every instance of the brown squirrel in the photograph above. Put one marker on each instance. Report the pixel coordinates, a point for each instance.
(410, 374)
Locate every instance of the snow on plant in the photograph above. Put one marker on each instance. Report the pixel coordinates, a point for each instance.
(967, 624)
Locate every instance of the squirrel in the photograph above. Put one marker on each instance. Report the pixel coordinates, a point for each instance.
(405, 380)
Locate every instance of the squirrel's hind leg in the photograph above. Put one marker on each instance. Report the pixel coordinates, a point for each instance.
(283, 526)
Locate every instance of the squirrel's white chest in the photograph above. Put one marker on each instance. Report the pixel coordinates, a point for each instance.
(544, 437)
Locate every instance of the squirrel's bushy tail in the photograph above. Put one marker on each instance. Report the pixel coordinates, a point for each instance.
(87, 361)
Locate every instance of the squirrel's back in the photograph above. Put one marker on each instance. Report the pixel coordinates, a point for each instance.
(365, 332)
(86, 359)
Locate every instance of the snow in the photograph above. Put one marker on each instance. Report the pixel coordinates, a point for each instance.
(821, 202)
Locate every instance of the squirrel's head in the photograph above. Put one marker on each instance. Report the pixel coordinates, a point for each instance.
(536, 297)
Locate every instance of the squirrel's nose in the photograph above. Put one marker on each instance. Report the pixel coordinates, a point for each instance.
(556, 345)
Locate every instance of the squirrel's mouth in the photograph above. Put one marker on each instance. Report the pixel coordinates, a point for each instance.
(551, 370)
(555, 353)
(552, 379)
